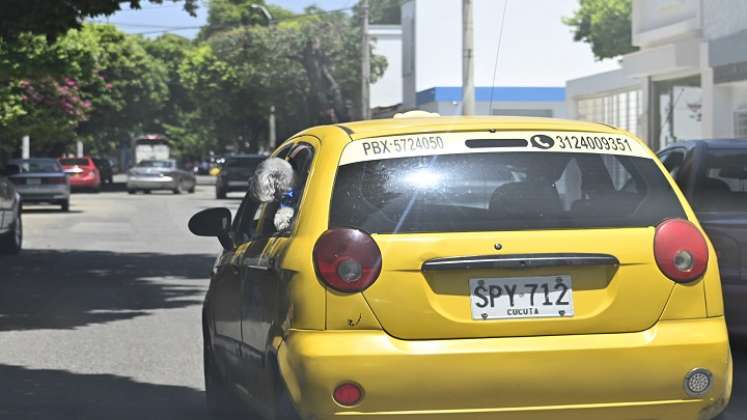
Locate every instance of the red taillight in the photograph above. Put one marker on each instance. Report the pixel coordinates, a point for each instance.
(680, 250)
(347, 260)
(348, 394)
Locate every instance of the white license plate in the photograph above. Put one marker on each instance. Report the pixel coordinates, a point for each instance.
(33, 181)
(521, 297)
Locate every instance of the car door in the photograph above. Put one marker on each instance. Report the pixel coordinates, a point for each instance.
(224, 302)
(264, 293)
(6, 203)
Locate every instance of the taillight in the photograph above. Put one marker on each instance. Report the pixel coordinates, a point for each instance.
(680, 250)
(347, 260)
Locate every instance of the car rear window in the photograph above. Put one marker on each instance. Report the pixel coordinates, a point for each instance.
(249, 162)
(73, 162)
(501, 191)
(723, 185)
(38, 166)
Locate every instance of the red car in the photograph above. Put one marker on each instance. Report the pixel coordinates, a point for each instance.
(82, 173)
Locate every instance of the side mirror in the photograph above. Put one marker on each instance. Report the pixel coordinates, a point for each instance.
(214, 222)
(10, 170)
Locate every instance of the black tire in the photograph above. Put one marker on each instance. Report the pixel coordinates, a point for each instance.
(146, 191)
(12, 241)
(192, 189)
(284, 409)
(131, 192)
(65, 205)
(220, 194)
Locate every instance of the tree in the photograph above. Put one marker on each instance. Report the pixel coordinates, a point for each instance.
(605, 25)
(53, 18)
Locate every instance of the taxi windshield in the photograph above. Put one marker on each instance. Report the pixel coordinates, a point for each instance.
(501, 191)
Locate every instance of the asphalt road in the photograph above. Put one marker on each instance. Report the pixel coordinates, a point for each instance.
(100, 314)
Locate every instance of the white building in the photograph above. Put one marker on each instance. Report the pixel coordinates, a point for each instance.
(432, 63)
(688, 80)
(387, 90)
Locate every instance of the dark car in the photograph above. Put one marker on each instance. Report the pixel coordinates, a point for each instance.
(713, 176)
(235, 174)
(105, 169)
(41, 180)
(11, 225)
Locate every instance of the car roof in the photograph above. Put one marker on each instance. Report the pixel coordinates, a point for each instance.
(33, 160)
(724, 143)
(395, 126)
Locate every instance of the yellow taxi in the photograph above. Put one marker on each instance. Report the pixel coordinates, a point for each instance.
(464, 268)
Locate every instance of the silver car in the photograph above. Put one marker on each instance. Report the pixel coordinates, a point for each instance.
(41, 180)
(149, 175)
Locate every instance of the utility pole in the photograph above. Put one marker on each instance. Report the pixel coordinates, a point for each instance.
(271, 123)
(25, 147)
(468, 64)
(365, 65)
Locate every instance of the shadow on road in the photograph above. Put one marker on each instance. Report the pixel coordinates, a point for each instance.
(57, 394)
(42, 289)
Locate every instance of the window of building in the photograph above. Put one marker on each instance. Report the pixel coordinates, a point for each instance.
(620, 109)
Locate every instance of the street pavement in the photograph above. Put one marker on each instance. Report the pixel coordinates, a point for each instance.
(100, 314)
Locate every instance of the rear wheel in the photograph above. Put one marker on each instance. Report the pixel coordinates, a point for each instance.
(131, 191)
(220, 194)
(65, 205)
(11, 242)
(146, 191)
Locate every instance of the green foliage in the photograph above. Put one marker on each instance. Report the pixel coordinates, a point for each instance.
(54, 18)
(605, 25)
(382, 12)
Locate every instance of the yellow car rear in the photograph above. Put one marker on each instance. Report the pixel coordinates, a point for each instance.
(482, 268)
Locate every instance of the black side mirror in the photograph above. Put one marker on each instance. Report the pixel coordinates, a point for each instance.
(214, 222)
(10, 170)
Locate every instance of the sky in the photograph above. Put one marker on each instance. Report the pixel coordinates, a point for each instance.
(529, 57)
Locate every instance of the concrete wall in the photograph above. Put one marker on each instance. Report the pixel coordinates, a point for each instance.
(387, 90)
(723, 17)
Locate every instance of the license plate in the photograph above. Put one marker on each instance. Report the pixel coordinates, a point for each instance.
(521, 297)
(33, 181)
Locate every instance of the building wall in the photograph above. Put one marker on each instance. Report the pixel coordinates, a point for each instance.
(723, 17)
(387, 90)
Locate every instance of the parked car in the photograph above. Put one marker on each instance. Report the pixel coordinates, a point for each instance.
(82, 173)
(236, 173)
(713, 176)
(365, 276)
(149, 175)
(105, 169)
(41, 180)
(11, 222)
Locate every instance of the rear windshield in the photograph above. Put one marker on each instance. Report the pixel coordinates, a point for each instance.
(248, 162)
(74, 162)
(501, 191)
(38, 166)
(723, 186)
(155, 164)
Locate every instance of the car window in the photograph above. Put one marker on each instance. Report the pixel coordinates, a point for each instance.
(38, 166)
(722, 185)
(300, 157)
(155, 164)
(501, 191)
(672, 160)
(74, 162)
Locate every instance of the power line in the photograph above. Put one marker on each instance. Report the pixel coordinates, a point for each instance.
(497, 54)
(238, 25)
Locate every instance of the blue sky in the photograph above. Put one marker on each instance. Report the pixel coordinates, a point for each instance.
(524, 55)
(152, 19)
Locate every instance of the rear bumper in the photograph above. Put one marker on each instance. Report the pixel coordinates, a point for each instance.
(618, 376)
(151, 183)
(43, 194)
(79, 182)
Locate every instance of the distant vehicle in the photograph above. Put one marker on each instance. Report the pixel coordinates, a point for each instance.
(713, 176)
(202, 168)
(82, 173)
(463, 268)
(235, 174)
(41, 180)
(105, 169)
(11, 223)
(149, 175)
(151, 147)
